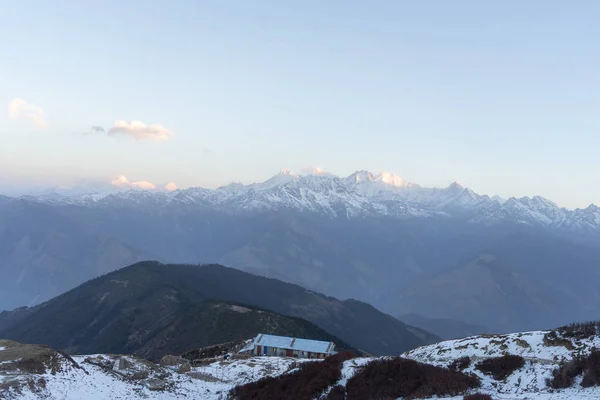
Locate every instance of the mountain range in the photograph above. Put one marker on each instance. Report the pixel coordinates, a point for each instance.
(440, 253)
(361, 194)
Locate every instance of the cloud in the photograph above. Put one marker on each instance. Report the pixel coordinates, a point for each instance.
(140, 131)
(98, 129)
(20, 109)
(123, 182)
(171, 186)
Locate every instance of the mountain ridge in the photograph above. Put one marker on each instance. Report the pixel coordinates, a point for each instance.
(118, 312)
(322, 234)
(361, 194)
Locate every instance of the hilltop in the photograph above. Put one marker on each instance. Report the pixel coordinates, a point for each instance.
(152, 309)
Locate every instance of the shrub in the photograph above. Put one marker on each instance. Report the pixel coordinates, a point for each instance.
(564, 335)
(309, 381)
(564, 376)
(501, 367)
(460, 364)
(338, 392)
(398, 377)
(591, 370)
(478, 396)
(32, 365)
(583, 330)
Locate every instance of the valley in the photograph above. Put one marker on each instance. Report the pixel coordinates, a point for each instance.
(433, 252)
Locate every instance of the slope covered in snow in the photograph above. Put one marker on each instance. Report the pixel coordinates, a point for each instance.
(542, 352)
(36, 372)
(51, 375)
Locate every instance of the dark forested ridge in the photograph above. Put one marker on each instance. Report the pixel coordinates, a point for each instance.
(147, 306)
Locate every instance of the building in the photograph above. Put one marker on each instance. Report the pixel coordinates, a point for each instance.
(270, 345)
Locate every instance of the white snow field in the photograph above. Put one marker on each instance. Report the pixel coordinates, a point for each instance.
(103, 377)
(527, 383)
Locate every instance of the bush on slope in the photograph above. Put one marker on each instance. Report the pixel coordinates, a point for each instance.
(309, 381)
(564, 376)
(501, 367)
(392, 378)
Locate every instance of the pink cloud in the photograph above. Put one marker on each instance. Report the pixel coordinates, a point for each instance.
(20, 109)
(140, 131)
(123, 182)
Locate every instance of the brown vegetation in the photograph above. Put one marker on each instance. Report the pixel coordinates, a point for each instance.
(337, 392)
(460, 364)
(583, 330)
(501, 367)
(478, 396)
(565, 335)
(309, 381)
(398, 377)
(565, 375)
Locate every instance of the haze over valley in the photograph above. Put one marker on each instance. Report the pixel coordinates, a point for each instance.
(433, 231)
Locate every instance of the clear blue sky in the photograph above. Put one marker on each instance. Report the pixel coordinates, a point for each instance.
(501, 95)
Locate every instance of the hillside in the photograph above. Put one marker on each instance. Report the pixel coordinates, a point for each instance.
(37, 372)
(180, 329)
(148, 307)
(562, 364)
(543, 354)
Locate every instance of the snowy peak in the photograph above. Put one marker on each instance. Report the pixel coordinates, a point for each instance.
(362, 193)
(391, 179)
(282, 178)
(455, 187)
(383, 178)
(585, 220)
(383, 186)
(287, 172)
(360, 176)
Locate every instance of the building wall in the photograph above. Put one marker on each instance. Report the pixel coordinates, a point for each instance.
(274, 351)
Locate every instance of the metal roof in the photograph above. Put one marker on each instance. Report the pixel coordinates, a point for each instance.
(290, 343)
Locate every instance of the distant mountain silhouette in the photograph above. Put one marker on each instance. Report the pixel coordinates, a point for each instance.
(444, 327)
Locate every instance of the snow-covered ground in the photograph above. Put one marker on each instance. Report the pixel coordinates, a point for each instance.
(527, 383)
(139, 379)
(126, 377)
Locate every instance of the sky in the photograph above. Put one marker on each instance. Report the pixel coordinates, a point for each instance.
(502, 96)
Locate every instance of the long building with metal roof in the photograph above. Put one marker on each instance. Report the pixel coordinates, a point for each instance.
(283, 346)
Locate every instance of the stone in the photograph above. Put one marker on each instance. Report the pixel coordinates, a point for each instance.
(156, 384)
(183, 368)
(124, 364)
(170, 361)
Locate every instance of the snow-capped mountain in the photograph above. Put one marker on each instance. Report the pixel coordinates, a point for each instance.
(586, 220)
(361, 194)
